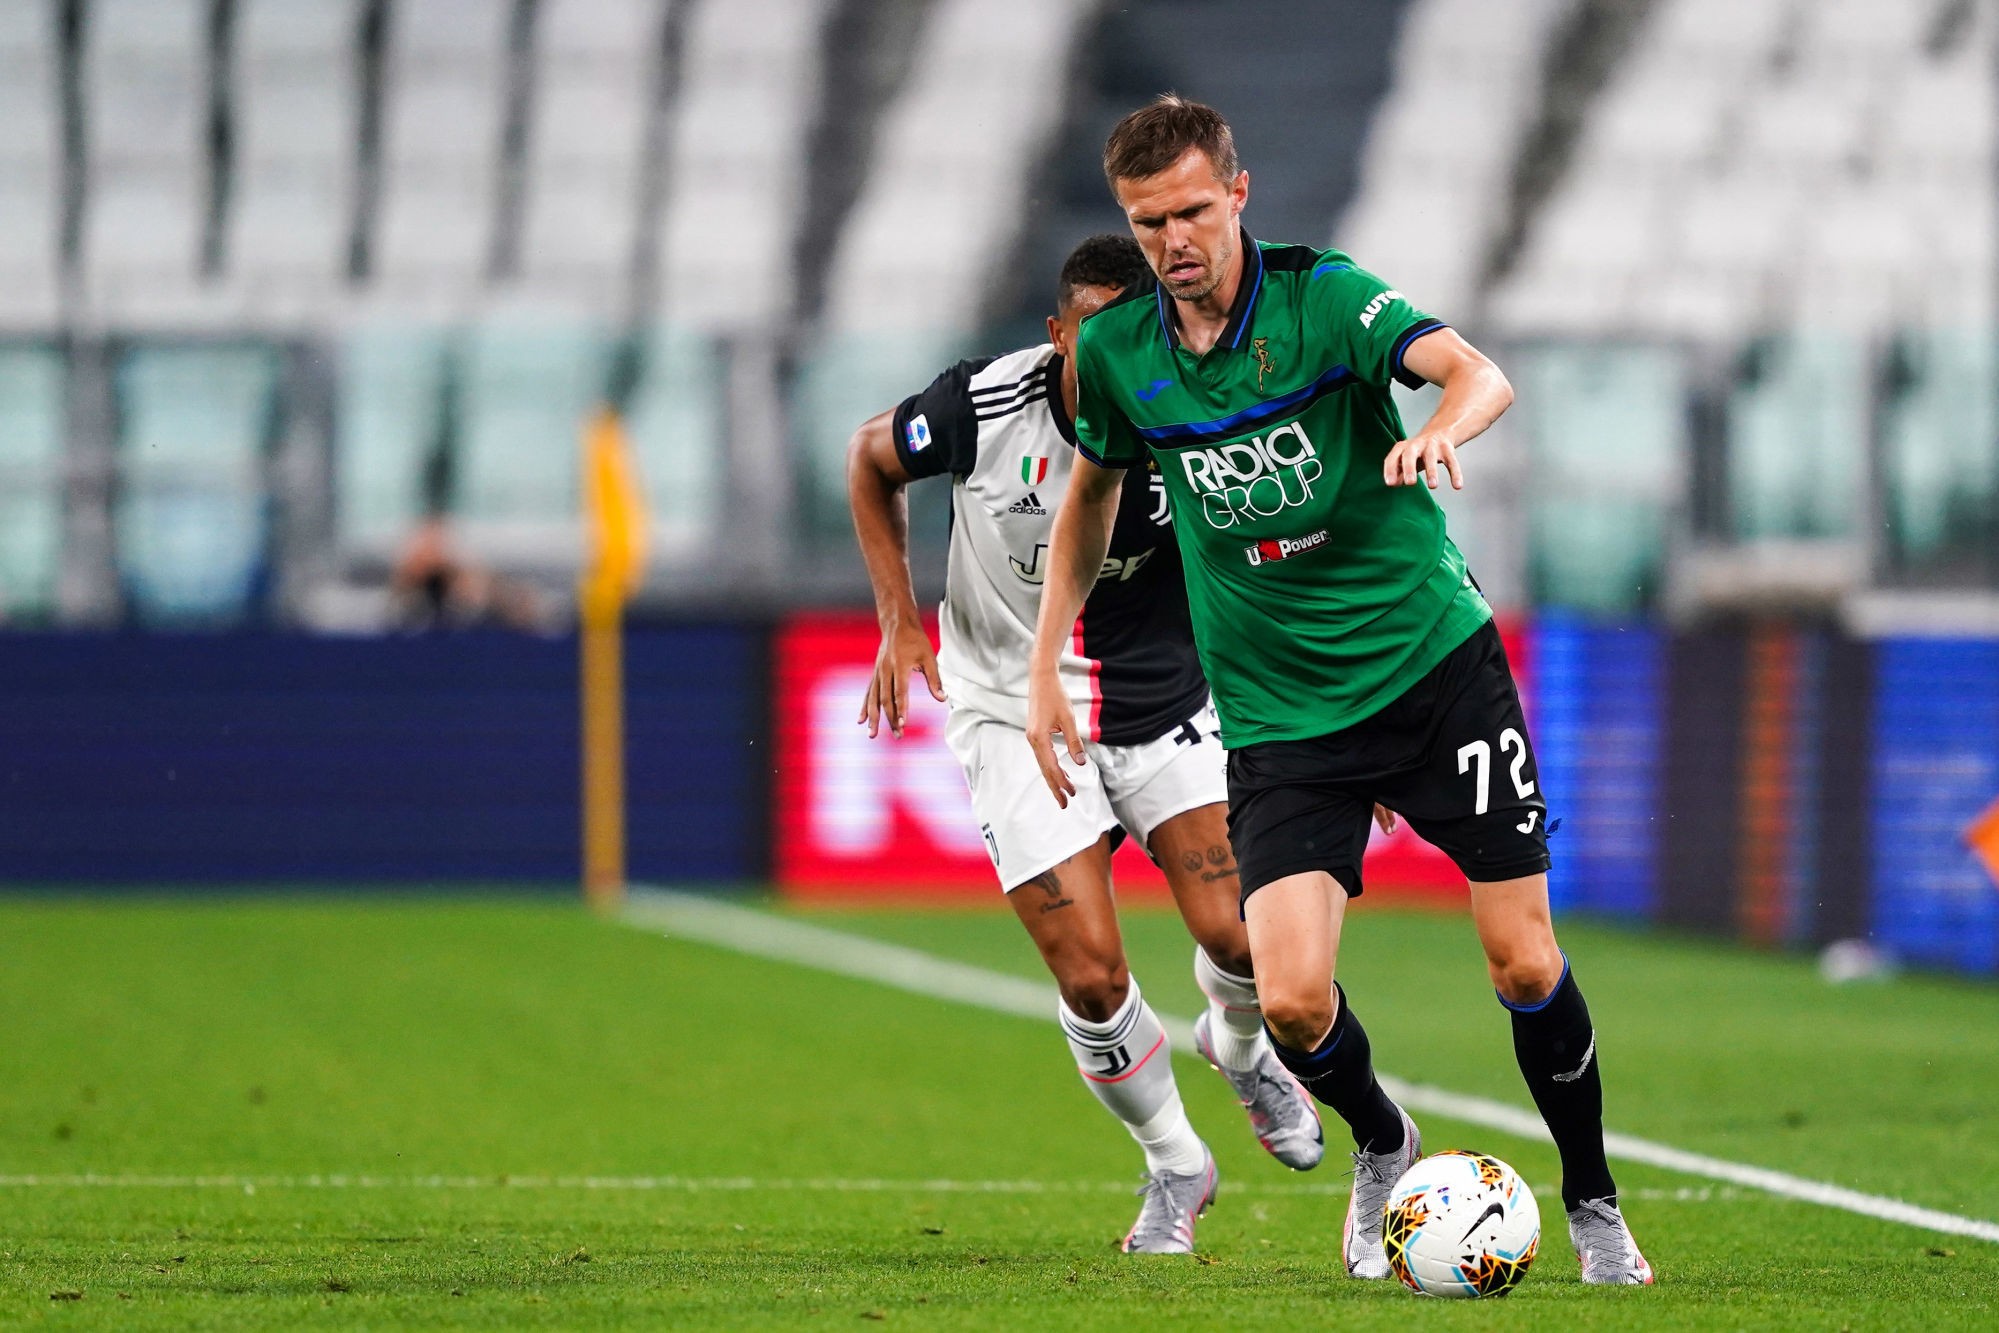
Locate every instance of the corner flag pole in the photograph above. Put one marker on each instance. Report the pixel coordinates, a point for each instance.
(615, 520)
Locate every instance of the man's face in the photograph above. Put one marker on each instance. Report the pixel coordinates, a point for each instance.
(1066, 322)
(1185, 221)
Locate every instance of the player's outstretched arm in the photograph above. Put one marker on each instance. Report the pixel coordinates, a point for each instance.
(875, 481)
(1075, 556)
(1475, 393)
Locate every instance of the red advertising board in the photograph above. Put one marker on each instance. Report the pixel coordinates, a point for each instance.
(890, 817)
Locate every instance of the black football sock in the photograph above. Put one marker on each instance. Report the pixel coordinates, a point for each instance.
(1555, 1044)
(1340, 1073)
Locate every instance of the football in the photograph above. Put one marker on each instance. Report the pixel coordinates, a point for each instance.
(1461, 1224)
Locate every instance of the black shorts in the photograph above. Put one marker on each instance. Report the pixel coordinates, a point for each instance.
(1450, 755)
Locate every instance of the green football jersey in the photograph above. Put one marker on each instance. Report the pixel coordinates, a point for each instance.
(1319, 593)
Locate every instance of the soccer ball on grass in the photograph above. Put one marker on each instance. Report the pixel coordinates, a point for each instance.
(1461, 1224)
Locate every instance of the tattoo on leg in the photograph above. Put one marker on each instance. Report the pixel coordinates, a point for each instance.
(1224, 865)
(1051, 884)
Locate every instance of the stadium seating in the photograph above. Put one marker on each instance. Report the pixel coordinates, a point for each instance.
(1608, 454)
(911, 270)
(524, 392)
(676, 423)
(954, 154)
(1780, 210)
(1435, 171)
(735, 163)
(31, 479)
(488, 425)
(191, 516)
(1761, 167)
(146, 179)
(292, 213)
(1940, 450)
(30, 165)
(597, 62)
(389, 416)
(1806, 400)
(846, 381)
(444, 96)
(1805, 181)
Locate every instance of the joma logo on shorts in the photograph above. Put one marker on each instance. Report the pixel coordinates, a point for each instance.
(1254, 478)
(1283, 548)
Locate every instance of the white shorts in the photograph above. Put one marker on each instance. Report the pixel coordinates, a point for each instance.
(1137, 786)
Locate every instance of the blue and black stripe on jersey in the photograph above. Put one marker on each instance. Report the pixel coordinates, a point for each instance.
(1258, 260)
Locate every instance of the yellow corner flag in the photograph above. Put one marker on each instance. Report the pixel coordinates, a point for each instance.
(615, 509)
(614, 520)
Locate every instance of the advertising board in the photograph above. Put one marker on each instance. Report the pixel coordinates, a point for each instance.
(857, 818)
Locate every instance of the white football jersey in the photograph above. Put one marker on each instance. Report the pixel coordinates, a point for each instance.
(998, 426)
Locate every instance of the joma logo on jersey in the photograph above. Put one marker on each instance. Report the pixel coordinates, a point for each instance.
(1374, 307)
(1255, 478)
(1114, 567)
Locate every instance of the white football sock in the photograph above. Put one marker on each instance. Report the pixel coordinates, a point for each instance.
(1235, 1017)
(1127, 1062)
(1170, 1142)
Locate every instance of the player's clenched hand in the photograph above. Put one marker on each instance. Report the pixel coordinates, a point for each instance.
(1384, 818)
(1048, 713)
(905, 648)
(1425, 453)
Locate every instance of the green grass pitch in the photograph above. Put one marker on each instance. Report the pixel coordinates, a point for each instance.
(758, 1133)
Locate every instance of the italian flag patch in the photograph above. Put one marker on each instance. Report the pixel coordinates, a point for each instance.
(1033, 470)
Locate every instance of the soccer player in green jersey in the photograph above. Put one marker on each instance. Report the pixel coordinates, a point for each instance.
(1351, 657)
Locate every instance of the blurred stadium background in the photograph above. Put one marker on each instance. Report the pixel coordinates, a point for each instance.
(304, 305)
(307, 311)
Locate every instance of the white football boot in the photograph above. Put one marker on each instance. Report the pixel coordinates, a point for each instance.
(1374, 1177)
(1604, 1247)
(1281, 1112)
(1172, 1204)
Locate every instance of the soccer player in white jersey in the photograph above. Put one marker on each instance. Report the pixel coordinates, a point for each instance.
(1001, 427)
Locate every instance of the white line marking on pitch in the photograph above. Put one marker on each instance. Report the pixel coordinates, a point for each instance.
(690, 1185)
(765, 935)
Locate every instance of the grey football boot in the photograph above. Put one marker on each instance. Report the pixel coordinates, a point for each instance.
(1604, 1247)
(1281, 1112)
(1374, 1177)
(1172, 1204)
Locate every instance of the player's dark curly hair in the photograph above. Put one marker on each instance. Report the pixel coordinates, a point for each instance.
(1104, 260)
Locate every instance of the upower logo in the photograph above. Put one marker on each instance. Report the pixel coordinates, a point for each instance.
(1255, 478)
(1283, 548)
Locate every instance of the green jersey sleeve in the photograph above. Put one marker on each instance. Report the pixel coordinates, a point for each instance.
(1104, 433)
(1370, 323)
